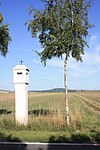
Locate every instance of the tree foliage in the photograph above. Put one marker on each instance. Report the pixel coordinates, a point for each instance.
(62, 27)
(4, 36)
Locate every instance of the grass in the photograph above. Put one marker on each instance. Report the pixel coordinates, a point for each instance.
(47, 118)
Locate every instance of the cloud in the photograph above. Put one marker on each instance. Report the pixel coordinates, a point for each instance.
(51, 63)
(36, 62)
(85, 68)
(98, 49)
(89, 66)
(55, 63)
(93, 40)
(91, 59)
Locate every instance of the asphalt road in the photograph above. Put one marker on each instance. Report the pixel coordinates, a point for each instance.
(46, 146)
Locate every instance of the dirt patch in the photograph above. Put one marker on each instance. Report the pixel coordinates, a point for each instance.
(7, 96)
(88, 104)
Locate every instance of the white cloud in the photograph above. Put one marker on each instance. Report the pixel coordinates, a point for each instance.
(89, 66)
(91, 58)
(85, 68)
(55, 63)
(93, 37)
(98, 49)
(93, 40)
(51, 63)
(36, 62)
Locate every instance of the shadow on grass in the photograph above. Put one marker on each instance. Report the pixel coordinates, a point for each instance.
(77, 138)
(7, 143)
(5, 111)
(9, 138)
(43, 112)
(75, 142)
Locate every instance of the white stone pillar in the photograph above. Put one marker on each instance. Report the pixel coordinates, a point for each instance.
(21, 81)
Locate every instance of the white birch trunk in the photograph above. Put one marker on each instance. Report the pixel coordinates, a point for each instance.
(66, 92)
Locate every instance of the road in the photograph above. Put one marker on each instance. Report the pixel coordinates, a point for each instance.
(46, 146)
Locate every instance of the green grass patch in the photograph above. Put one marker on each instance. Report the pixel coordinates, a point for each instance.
(49, 136)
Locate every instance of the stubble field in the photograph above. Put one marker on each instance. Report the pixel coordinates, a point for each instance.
(47, 118)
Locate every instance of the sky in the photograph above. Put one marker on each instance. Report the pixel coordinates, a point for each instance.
(81, 75)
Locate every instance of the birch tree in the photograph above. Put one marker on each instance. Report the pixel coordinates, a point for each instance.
(4, 36)
(62, 27)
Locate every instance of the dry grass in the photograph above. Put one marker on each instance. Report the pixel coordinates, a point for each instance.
(55, 121)
(76, 119)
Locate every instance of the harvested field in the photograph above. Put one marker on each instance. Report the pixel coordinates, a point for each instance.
(47, 114)
(83, 106)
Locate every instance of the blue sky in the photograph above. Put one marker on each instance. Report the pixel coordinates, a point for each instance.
(85, 75)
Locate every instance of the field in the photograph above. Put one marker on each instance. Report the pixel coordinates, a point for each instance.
(47, 118)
